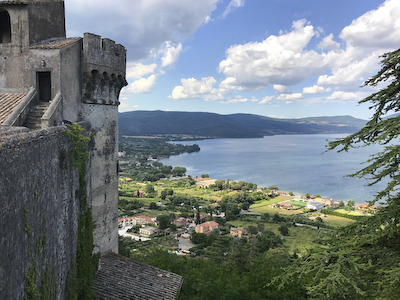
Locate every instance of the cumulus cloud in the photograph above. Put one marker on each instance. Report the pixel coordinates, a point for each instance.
(280, 88)
(192, 88)
(290, 97)
(239, 99)
(348, 96)
(138, 70)
(353, 74)
(276, 60)
(171, 54)
(315, 89)
(266, 99)
(328, 43)
(232, 5)
(378, 28)
(142, 85)
(143, 26)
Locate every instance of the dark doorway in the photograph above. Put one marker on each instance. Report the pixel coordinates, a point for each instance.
(5, 27)
(44, 85)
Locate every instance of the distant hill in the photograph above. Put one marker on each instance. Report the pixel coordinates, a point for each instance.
(211, 125)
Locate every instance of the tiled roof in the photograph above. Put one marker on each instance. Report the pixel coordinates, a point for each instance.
(8, 101)
(209, 223)
(56, 44)
(122, 278)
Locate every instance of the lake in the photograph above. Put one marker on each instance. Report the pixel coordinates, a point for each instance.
(295, 163)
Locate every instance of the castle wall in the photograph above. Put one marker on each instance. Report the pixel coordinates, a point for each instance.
(71, 81)
(39, 219)
(46, 20)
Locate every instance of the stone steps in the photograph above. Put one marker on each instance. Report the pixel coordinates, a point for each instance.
(37, 111)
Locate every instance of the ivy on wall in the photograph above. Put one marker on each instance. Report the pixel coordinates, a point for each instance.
(83, 272)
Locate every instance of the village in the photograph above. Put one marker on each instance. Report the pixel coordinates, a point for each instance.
(145, 224)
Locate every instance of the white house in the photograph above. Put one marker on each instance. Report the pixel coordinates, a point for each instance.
(315, 205)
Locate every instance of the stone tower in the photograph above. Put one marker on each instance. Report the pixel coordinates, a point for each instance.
(47, 80)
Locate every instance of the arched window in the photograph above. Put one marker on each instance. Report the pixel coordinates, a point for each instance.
(5, 27)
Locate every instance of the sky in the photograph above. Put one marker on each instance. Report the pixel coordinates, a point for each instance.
(276, 58)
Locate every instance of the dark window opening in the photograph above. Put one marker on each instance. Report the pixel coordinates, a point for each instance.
(5, 27)
(44, 85)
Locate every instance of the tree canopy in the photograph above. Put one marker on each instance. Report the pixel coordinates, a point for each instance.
(362, 260)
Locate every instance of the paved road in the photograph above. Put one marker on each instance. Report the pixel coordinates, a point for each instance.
(185, 244)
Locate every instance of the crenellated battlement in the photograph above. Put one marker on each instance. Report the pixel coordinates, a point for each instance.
(104, 54)
(104, 64)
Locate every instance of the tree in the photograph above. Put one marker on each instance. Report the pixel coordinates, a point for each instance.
(149, 188)
(319, 221)
(350, 203)
(362, 260)
(253, 230)
(284, 230)
(163, 194)
(163, 221)
(178, 171)
(291, 193)
(198, 220)
(245, 205)
(173, 227)
(307, 195)
(205, 176)
(153, 206)
(318, 196)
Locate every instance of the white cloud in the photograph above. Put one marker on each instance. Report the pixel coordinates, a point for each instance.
(143, 26)
(378, 28)
(232, 5)
(276, 60)
(138, 70)
(192, 88)
(239, 99)
(328, 43)
(315, 89)
(281, 88)
(340, 95)
(353, 73)
(142, 85)
(266, 99)
(171, 53)
(126, 107)
(290, 97)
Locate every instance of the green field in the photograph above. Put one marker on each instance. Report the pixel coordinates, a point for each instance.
(337, 221)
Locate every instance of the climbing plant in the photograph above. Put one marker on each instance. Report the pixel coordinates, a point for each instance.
(83, 273)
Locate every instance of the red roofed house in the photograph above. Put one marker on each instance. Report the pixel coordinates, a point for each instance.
(285, 205)
(141, 220)
(366, 206)
(207, 227)
(181, 222)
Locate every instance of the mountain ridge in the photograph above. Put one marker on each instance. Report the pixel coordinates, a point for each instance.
(239, 125)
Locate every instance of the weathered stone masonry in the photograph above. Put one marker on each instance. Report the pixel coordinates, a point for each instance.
(39, 217)
(46, 80)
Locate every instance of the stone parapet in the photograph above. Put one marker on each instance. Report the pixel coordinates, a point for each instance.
(104, 66)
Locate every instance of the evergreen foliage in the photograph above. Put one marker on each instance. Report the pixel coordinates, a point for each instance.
(362, 260)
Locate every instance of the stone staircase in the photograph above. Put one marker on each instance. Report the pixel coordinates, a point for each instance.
(37, 111)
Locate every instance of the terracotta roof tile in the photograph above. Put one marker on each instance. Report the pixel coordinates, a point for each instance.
(55, 44)
(122, 278)
(8, 101)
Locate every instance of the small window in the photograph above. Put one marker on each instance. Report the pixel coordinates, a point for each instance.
(5, 27)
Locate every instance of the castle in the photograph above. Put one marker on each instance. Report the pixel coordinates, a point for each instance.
(46, 81)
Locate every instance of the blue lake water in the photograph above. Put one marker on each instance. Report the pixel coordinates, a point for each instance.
(292, 162)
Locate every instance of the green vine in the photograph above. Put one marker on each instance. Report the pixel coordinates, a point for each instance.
(83, 272)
